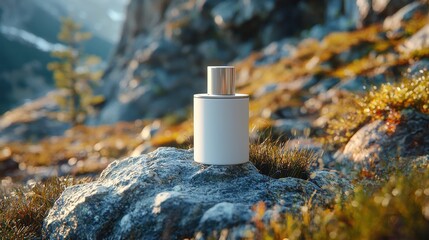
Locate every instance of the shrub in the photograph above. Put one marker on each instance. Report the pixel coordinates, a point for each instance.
(23, 209)
(275, 159)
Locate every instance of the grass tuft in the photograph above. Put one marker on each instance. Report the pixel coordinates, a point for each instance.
(22, 209)
(275, 159)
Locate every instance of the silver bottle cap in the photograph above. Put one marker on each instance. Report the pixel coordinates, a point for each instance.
(221, 80)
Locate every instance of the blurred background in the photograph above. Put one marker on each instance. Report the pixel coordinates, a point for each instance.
(28, 35)
(122, 73)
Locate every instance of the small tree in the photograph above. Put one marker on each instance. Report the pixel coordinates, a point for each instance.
(75, 74)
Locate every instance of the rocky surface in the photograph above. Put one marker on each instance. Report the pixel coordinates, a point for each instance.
(394, 23)
(166, 45)
(166, 195)
(372, 11)
(377, 142)
(32, 121)
(417, 42)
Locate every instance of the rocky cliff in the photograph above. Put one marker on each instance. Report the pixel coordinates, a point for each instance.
(166, 45)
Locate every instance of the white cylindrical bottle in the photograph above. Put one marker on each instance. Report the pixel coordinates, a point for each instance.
(221, 120)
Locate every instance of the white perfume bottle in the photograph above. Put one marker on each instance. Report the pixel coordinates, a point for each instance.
(221, 120)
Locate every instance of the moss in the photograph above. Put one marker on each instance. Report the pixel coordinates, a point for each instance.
(275, 159)
(411, 92)
(385, 103)
(22, 209)
(417, 22)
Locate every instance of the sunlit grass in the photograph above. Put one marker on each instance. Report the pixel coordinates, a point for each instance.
(22, 209)
(385, 103)
(397, 209)
(80, 143)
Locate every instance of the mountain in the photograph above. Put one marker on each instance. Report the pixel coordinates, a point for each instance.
(28, 33)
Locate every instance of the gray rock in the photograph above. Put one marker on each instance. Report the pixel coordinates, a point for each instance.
(324, 85)
(275, 51)
(291, 112)
(234, 13)
(303, 83)
(150, 130)
(166, 195)
(298, 84)
(329, 181)
(354, 84)
(268, 88)
(372, 11)
(343, 15)
(142, 149)
(292, 127)
(418, 41)
(338, 24)
(374, 143)
(361, 83)
(393, 23)
(224, 215)
(356, 52)
(417, 68)
(32, 121)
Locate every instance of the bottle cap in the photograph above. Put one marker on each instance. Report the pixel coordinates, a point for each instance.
(221, 80)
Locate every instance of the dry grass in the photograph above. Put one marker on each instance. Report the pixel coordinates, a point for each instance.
(81, 142)
(274, 159)
(398, 209)
(22, 209)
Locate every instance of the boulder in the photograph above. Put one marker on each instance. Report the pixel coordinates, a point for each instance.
(372, 11)
(344, 15)
(166, 195)
(374, 143)
(393, 23)
(418, 41)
